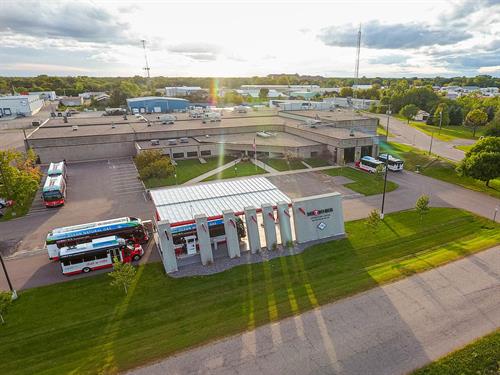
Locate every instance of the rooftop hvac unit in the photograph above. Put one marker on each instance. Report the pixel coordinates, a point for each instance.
(351, 133)
(155, 142)
(113, 125)
(75, 128)
(172, 141)
(35, 123)
(263, 135)
(184, 140)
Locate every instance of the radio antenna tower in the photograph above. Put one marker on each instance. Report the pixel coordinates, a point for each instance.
(147, 68)
(358, 49)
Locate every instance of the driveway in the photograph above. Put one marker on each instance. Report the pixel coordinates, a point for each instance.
(404, 133)
(392, 329)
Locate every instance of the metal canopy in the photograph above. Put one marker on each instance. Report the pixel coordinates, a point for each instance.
(180, 204)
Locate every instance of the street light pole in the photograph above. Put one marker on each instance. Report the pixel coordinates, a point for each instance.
(430, 147)
(495, 214)
(386, 164)
(440, 120)
(13, 291)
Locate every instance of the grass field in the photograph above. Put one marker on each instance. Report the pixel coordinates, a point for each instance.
(283, 165)
(18, 210)
(364, 183)
(86, 326)
(317, 162)
(244, 168)
(449, 132)
(481, 357)
(438, 168)
(187, 170)
(464, 148)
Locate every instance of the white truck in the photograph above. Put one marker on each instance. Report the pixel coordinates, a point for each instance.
(211, 117)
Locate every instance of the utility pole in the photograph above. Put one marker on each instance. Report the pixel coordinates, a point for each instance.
(430, 147)
(386, 164)
(440, 120)
(13, 291)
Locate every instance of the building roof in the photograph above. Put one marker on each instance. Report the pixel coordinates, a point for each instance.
(180, 205)
(275, 139)
(142, 98)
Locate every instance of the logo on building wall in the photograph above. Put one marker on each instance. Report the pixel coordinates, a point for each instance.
(321, 226)
(319, 212)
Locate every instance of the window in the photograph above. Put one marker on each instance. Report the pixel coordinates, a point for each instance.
(178, 155)
(206, 153)
(7, 112)
(192, 154)
(314, 154)
(88, 257)
(101, 255)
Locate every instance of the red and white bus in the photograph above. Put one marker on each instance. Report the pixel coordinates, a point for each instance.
(98, 254)
(54, 191)
(57, 169)
(130, 228)
(370, 164)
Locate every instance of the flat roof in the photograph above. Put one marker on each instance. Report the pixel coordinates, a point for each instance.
(335, 115)
(180, 204)
(164, 143)
(142, 98)
(276, 139)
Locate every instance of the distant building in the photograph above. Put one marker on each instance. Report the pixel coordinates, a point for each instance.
(421, 116)
(361, 87)
(156, 104)
(93, 94)
(182, 90)
(46, 95)
(20, 105)
(71, 101)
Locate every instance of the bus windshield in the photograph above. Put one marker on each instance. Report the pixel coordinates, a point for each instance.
(49, 196)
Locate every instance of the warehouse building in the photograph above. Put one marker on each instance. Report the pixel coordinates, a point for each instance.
(157, 104)
(20, 105)
(46, 95)
(340, 136)
(183, 90)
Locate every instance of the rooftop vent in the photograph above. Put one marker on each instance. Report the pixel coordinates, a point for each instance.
(184, 140)
(113, 125)
(75, 128)
(172, 141)
(155, 142)
(351, 133)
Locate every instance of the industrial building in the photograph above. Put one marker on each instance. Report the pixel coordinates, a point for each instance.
(186, 219)
(20, 105)
(157, 104)
(183, 90)
(46, 95)
(342, 136)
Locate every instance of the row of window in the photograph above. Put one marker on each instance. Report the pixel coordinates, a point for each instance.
(5, 112)
(191, 154)
(77, 259)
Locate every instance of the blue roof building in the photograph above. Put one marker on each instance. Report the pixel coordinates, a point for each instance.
(156, 104)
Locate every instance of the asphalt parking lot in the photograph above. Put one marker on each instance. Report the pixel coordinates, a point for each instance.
(97, 190)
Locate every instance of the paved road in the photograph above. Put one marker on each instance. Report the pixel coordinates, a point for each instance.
(403, 133)
(392, 329)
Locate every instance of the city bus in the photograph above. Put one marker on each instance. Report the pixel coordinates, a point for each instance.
(185, 236)
(54, 191)
(98, 254)
(57, 169)
(393, 163)
(125, 227)
(369, 164)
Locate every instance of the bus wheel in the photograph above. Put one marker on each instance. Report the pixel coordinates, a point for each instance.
(86, 270)
(136, 257)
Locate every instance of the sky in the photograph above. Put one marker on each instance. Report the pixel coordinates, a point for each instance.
(248, 38)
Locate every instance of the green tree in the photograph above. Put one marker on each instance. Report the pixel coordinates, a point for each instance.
(5, 302)
(475, 119)
(263, 93)
(409, 111)
(482, 162)
(346, 91)
(373, 220)
(441, 115)
(493, 128)
(123, 274)
(422, 206)
(161, 168)
(379, 171)
(456, 114)
(147, 157)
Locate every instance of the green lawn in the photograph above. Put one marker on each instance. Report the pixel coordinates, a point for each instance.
(464, 148)
(18, 209)
(438, 168)
(244, 168)
(449, 132)
(187, 170)
(481, 357)
(364, 183)
(86, 326)
(283, 165)
(317, 162)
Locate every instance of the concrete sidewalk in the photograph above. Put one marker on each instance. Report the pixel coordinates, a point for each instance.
(392, 329)
(208, 174)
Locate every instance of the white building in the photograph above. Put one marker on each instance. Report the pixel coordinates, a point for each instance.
(182, 90)
(46, 95)
(92, 94)
(421, 116)
(20, 105)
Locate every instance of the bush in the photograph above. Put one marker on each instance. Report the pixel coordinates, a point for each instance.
(153, 164)
(492, 130)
